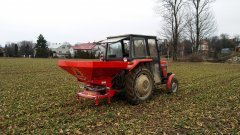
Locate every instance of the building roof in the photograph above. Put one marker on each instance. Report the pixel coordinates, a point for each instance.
(84, 46)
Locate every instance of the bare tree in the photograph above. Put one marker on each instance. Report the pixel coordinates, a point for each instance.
(173, 17)
(200, 21)
(26, 48)
(190, 30)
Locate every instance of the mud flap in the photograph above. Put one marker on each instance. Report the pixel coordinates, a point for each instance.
(169, 80)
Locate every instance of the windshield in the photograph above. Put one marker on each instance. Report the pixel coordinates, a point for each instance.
(114, 50)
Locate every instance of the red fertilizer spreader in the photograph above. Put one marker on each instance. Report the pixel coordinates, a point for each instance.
(96, 75)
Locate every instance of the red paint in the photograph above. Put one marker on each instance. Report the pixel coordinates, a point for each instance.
(134, 63)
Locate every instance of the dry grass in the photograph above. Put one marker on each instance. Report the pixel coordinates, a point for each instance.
(37, 97)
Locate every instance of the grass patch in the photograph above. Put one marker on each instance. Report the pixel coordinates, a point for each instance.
(37, 97)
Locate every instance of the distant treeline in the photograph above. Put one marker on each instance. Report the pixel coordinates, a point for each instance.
(215, 45)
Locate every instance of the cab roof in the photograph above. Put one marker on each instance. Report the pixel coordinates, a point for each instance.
(133, 35)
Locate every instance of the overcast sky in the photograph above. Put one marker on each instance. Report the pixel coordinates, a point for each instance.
(89, 20)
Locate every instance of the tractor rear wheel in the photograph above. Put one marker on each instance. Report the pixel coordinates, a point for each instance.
(139, 85)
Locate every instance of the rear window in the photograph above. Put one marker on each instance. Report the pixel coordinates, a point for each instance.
(152, 47)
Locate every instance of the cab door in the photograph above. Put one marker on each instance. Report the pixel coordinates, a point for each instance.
(142, 48)
(153, 52)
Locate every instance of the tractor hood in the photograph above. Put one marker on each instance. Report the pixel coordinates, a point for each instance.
(93, 72)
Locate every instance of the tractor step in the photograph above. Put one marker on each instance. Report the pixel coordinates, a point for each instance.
(96, 95)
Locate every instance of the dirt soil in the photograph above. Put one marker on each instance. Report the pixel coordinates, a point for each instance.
(37, 97)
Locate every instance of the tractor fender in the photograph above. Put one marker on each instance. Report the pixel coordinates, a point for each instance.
(136, 62)
(169, 80)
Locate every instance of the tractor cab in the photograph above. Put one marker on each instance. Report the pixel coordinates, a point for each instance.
(131, 48)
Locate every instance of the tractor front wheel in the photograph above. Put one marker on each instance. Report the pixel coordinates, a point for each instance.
(173, 86)
(139, 85)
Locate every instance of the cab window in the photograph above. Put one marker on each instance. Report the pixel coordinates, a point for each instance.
(139, 47)
(115, 50)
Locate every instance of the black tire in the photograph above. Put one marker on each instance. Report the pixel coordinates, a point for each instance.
(174, 86)
(139, 85)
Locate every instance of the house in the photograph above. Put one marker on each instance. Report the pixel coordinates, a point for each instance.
(61, 50)
(88, 47)
(204, 47)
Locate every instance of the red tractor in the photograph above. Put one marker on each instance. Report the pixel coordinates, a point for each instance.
(131, 65)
